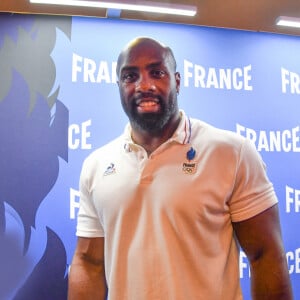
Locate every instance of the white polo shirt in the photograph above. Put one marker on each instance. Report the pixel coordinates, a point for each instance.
(167, 219)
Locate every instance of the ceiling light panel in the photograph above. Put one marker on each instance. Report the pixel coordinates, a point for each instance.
(288, 21)
(154, 7)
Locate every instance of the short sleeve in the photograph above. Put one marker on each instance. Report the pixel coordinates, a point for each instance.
(88, 222)
(252, 192)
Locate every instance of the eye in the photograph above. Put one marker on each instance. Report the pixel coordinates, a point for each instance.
(157, 73)
(129, 77)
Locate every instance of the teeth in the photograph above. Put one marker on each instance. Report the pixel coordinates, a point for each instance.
(147, 104)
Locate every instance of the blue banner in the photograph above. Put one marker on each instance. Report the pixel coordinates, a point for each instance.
(59, 101)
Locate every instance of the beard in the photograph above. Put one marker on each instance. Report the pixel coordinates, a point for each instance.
(151, 122)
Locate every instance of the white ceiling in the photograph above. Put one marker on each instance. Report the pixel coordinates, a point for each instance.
(253, 15)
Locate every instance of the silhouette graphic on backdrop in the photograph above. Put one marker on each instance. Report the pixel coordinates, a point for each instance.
(33, 134)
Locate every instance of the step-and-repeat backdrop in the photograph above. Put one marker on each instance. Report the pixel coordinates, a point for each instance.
(59, 101)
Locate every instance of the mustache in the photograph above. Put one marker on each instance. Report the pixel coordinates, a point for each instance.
(145, 97)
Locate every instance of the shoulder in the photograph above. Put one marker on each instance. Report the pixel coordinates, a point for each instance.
(223, 144)
(210, 135)
(104, 154)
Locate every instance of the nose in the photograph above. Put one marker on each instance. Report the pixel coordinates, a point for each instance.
(145, 84)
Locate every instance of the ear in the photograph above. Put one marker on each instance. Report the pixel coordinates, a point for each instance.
(177, 78)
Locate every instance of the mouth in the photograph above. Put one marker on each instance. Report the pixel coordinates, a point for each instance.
(148, 105)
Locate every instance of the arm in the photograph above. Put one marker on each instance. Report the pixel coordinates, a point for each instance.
(260, 238)
(87, 275)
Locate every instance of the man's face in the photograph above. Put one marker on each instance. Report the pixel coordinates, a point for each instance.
(148, 86)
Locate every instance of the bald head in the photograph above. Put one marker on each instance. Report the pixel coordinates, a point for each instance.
(139, 45)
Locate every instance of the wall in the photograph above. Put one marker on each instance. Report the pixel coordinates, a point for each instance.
(59, 101)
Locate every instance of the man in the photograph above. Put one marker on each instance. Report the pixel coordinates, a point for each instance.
(162, 206)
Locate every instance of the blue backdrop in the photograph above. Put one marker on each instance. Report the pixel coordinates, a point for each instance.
(59, 101)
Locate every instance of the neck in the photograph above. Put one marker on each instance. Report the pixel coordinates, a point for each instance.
(151, 141)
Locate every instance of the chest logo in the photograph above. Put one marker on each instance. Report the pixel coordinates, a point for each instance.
(190, 167)
(110, 170)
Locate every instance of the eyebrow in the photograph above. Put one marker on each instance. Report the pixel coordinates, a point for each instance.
(154, 64)
(149, 66)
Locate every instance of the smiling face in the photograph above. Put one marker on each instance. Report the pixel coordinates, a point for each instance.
(148, 84)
